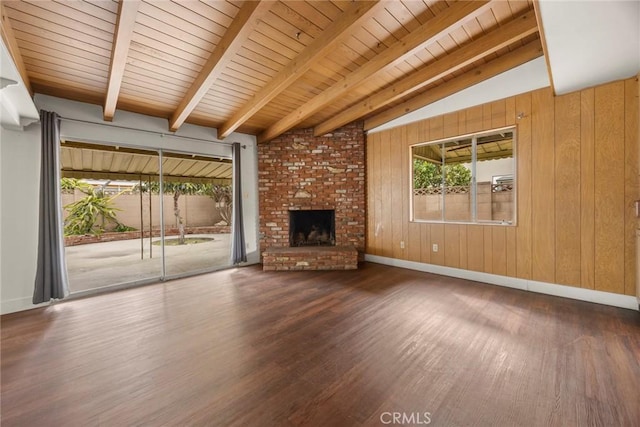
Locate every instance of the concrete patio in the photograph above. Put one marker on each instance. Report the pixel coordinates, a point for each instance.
(97, 265)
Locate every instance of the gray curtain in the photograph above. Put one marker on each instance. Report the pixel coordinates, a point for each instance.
(51, 274)
(238, 248)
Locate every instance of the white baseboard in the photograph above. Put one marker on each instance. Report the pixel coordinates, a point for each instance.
(19, 304)
(599, 297)
(582, 294)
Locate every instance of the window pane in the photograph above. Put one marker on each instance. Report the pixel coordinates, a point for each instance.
(495, 177)
(109, 213)
(465, 179)
(197, 213)
(427, 182)
(457, 180)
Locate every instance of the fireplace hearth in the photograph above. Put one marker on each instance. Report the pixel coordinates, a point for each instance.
(312, 228)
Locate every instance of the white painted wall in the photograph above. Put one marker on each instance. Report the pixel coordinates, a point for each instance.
(591, 42)
(20, 163)
(1, 192)
(19, 187)
(487, 169)
(524, 78)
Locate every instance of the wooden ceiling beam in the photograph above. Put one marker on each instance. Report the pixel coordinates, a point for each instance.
(245, 22)
(499, 65)
(335, 33)
(497, 39)
(436, 149)
(430, 153)
(9, 39)
(127, 12)
(430, 31)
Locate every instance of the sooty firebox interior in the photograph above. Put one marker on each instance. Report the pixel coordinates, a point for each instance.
(312, 228)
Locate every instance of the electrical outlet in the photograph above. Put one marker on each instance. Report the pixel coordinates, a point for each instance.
(402, 244)
(435, 247)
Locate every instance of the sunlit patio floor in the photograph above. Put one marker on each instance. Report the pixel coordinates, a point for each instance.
(98, 265)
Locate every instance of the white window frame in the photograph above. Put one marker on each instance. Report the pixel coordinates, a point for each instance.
(473, 190)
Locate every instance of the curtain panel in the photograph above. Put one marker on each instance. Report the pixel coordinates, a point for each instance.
(238, 247)
(51, 275)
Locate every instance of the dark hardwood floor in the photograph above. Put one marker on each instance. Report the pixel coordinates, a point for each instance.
(246, 348)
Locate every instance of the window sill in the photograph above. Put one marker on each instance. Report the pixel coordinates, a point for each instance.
(497, 223)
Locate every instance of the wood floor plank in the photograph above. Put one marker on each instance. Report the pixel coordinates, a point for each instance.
(244, 347)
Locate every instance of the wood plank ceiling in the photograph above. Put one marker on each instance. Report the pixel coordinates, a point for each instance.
(266, 67)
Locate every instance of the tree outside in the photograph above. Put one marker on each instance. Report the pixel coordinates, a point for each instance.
(427, 174)
(221, 194)
(92, 213)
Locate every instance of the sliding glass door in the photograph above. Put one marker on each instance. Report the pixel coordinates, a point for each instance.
(197, 206)
(135, 216)
(110, 219)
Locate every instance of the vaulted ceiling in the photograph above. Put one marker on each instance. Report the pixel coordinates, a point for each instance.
(265, 67)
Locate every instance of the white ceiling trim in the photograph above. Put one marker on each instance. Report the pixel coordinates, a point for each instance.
(17, 109)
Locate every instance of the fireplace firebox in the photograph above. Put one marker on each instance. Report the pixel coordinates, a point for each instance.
(312, 228)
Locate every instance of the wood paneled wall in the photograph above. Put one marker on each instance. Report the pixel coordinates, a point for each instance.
(577, 180)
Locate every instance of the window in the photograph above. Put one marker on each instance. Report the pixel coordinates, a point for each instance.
(468, 179)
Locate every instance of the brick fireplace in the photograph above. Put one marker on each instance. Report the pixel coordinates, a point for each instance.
(299, 172)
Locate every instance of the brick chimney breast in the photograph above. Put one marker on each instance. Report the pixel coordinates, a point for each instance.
(299, 171)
